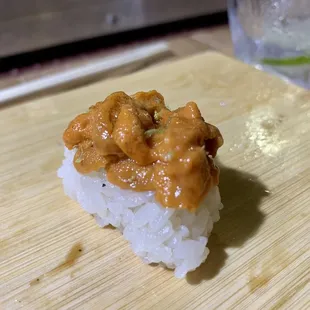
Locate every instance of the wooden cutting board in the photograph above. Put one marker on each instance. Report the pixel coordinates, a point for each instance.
(54, 256)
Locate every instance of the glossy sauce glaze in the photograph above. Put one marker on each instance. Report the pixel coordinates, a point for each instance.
(142, 146)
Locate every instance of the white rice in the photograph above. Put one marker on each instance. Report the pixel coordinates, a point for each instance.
(175, 238)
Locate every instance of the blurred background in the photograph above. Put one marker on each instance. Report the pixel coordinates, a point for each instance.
(31, 25)
(48, 37)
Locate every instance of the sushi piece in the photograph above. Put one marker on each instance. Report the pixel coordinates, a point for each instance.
(149, 171)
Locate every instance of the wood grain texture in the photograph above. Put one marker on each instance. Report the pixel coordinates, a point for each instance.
(54, 256)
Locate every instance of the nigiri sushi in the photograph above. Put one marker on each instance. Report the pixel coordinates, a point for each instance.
(149, 171)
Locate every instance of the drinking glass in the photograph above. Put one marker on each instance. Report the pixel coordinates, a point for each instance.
(273, 35)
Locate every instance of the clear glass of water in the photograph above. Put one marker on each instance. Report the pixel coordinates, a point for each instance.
(273, 35)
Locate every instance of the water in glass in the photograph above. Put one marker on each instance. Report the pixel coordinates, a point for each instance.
(273, 35)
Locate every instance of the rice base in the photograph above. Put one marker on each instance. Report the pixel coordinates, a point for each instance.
(175, 238)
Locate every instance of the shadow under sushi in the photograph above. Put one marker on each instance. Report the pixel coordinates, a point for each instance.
(241, 195)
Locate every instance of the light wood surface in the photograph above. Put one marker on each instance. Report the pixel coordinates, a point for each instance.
(54, 256)
(217, 37)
